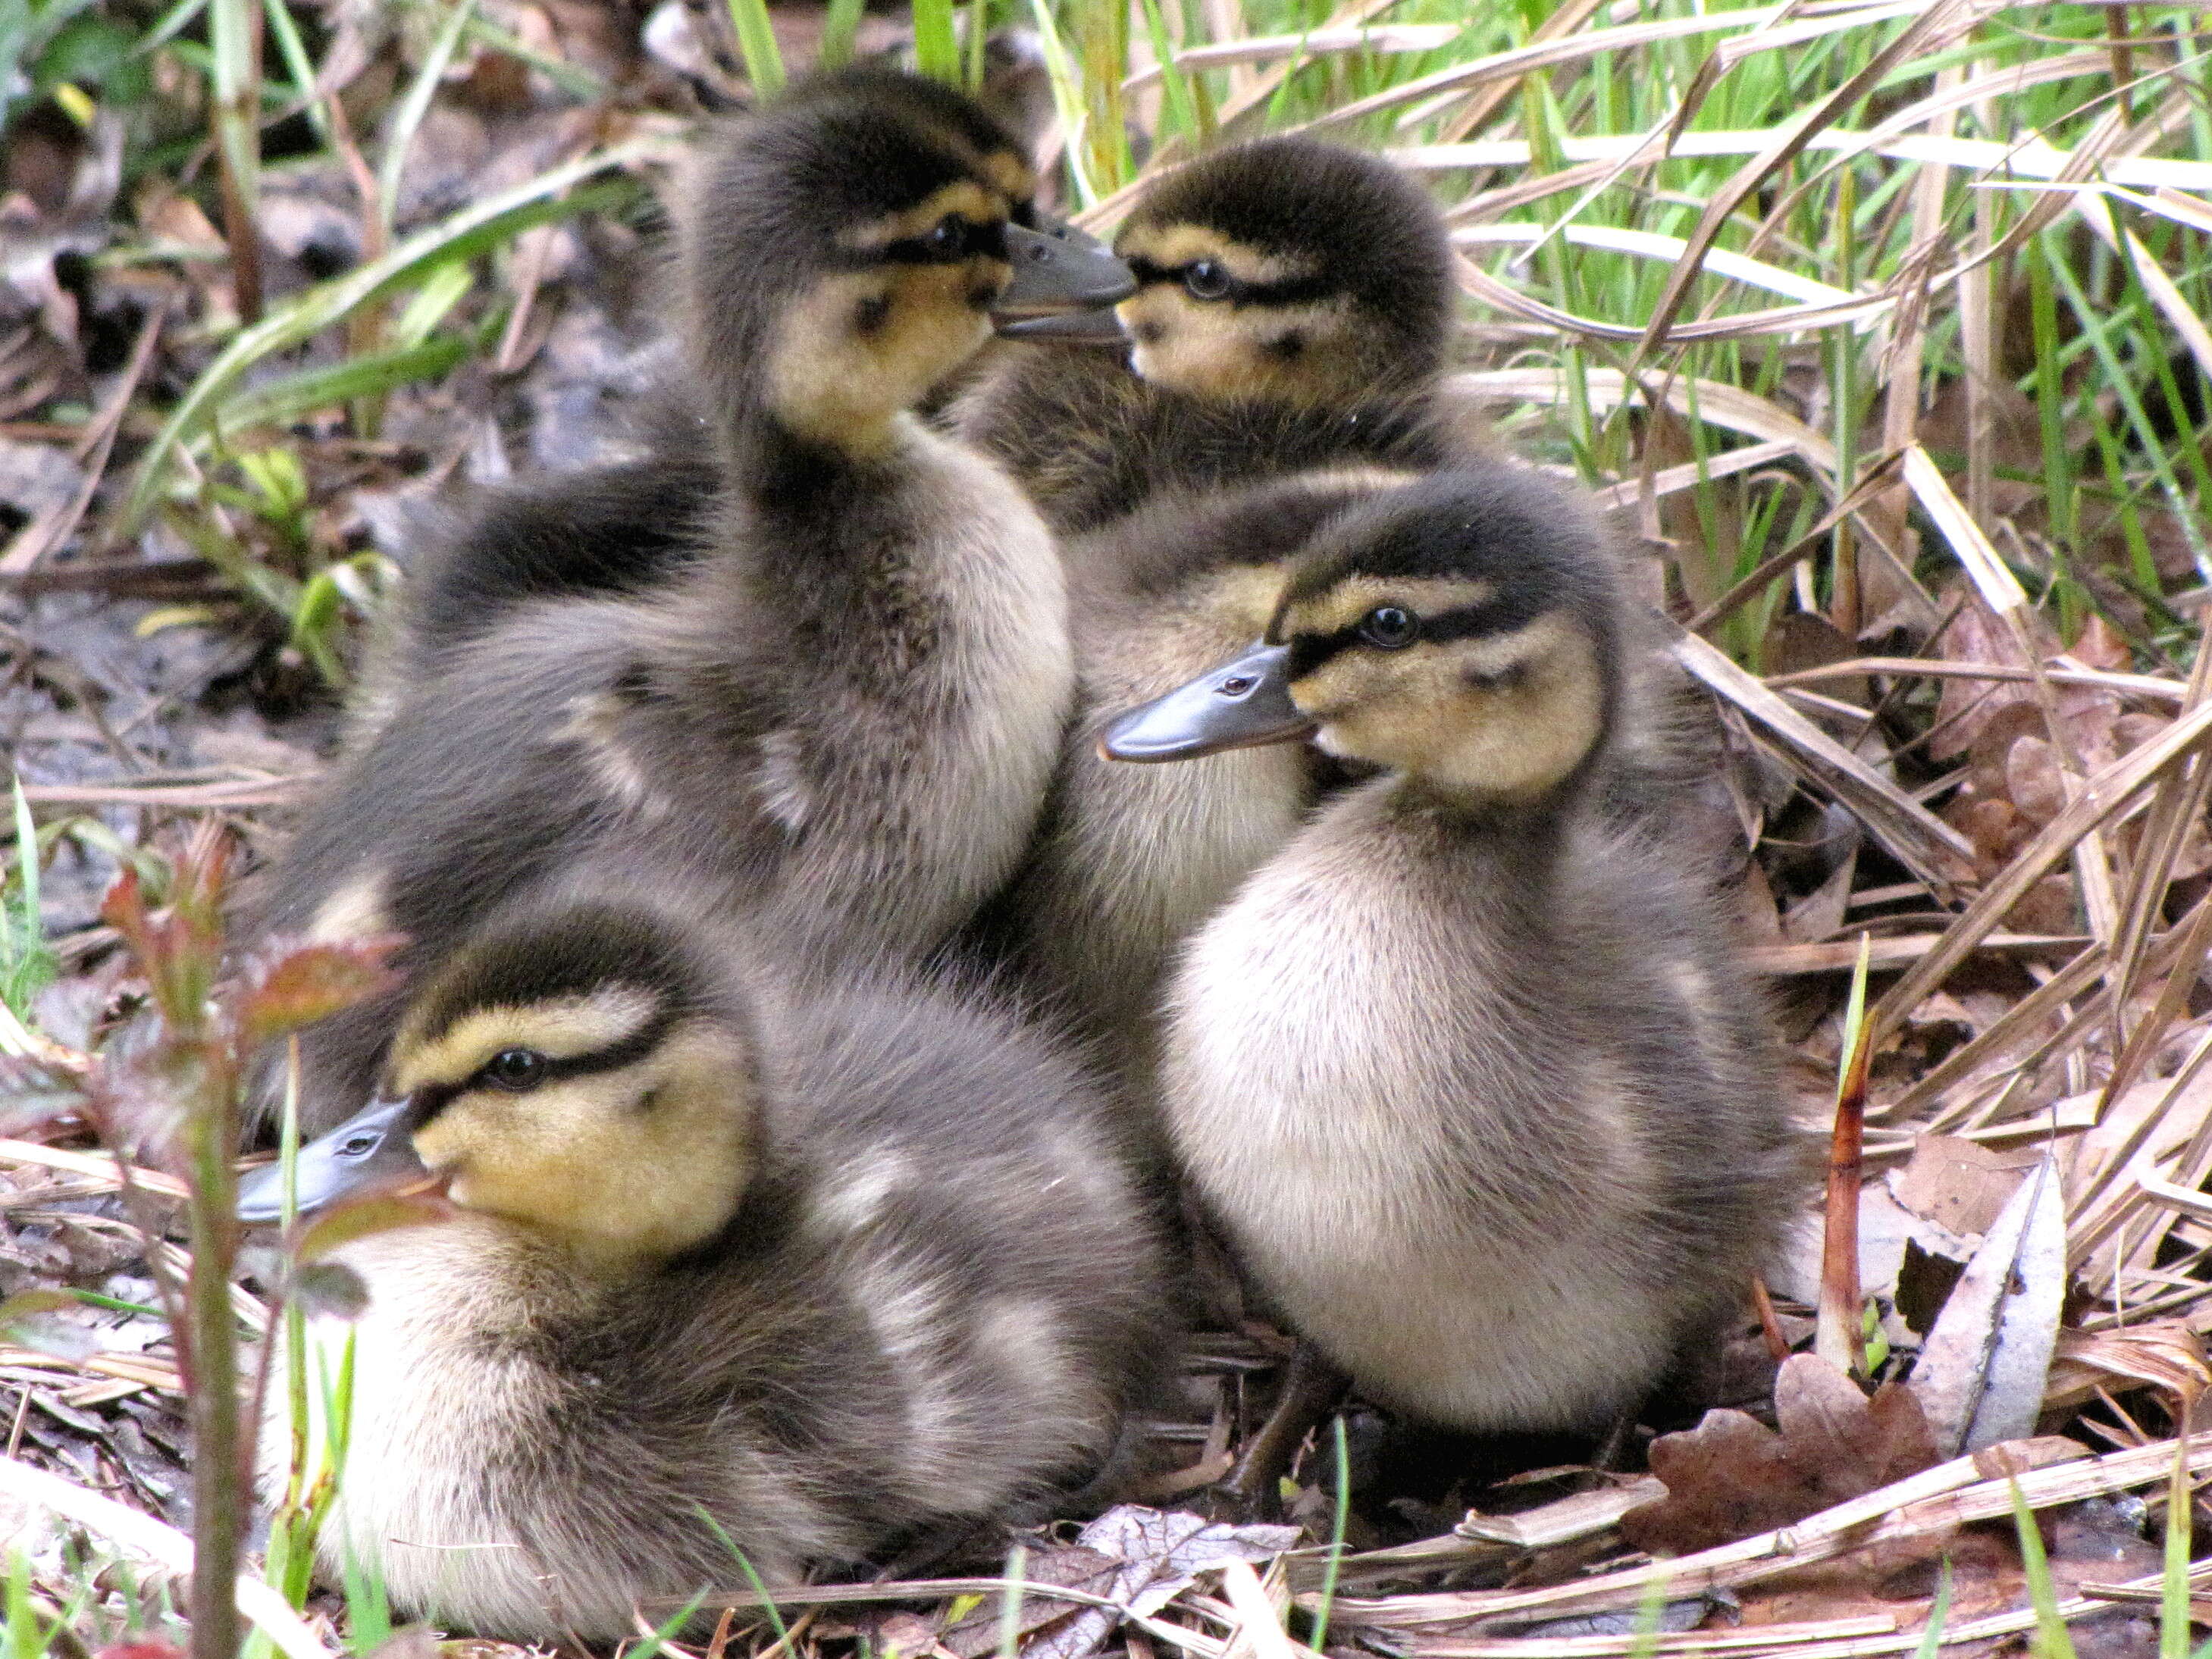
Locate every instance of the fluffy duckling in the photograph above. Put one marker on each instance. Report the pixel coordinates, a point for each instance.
(840, 715)
(1472, 1082)
(1293, 309)
(815, 1276)
(626, 526)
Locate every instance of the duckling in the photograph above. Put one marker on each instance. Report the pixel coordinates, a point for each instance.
(1293, 309)
(1472, 1081)
(737, 1271)
(840, 716)
(626, 526)
(1292, 318)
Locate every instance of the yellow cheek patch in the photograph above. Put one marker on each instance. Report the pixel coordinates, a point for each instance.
(962, 196)
(863, 345)
(1349, 600)
(1426, 709)
(1355, 680)
(644, 1161)
(560, 1028)
(1179, 245)
(1225, 353)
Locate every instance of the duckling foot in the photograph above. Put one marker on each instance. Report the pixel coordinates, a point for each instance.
(1252, 1490)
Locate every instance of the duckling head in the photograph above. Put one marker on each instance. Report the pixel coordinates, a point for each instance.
(1287, 271)
(1462, 630)
(850, 245)
(581, 1074)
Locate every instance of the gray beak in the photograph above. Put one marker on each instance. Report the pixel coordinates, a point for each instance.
(1239, 705)
(369, 1148)
(1061, 276)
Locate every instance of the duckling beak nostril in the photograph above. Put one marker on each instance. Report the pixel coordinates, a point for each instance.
(368, 1149)
(1062, 284)
(1239, 705)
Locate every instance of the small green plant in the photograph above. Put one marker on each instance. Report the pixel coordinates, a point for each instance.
(28, 965)
(2051, 1640)
(170, 1094)
(65, 50)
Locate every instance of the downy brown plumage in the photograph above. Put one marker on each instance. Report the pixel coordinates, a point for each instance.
(1129, 860)
(1472, 1081)
(1293, 310)
(1293, 314)
(839, 717)
(814, 1271)
(626, 526)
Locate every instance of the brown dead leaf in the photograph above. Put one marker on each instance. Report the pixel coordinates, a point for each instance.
(1960, 1184)
(1072, 1567)
(1731, 1476)
(2101, 645)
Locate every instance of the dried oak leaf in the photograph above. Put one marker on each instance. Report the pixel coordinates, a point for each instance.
(1732, 1476)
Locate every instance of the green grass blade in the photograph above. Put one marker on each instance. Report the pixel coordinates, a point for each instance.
(1336, 1530)
(757, 44)
(433, 302)
(840, 29)
(298, 64)
(1066, 98)
(275, 403)
(1010, 1602)
(1939, 1615)
(1182, 109)
(2052, 1639)
(936, 43)
(306, 314)
(408, 117)
(234, 76)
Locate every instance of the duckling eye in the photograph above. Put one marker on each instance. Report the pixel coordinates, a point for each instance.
(950, 236)
(1388, 626)
(1205, 280)
(513, 1069)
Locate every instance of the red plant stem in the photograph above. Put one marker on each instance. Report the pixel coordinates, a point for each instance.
(220, 1476)
(1840, 1298)
(1770, 1326)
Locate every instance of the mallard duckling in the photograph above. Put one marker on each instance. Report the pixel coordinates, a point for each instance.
(839, 717)
(626, 526)
(1473, 1083)
(815, 1275)
(1293, 310)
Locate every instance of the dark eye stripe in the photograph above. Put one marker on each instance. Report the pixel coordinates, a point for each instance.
(1468, 621)
(433, 1098)
(922, 250)
(1290, 291)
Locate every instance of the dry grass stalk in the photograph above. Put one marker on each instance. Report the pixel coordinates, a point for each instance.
(1966, 1489)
